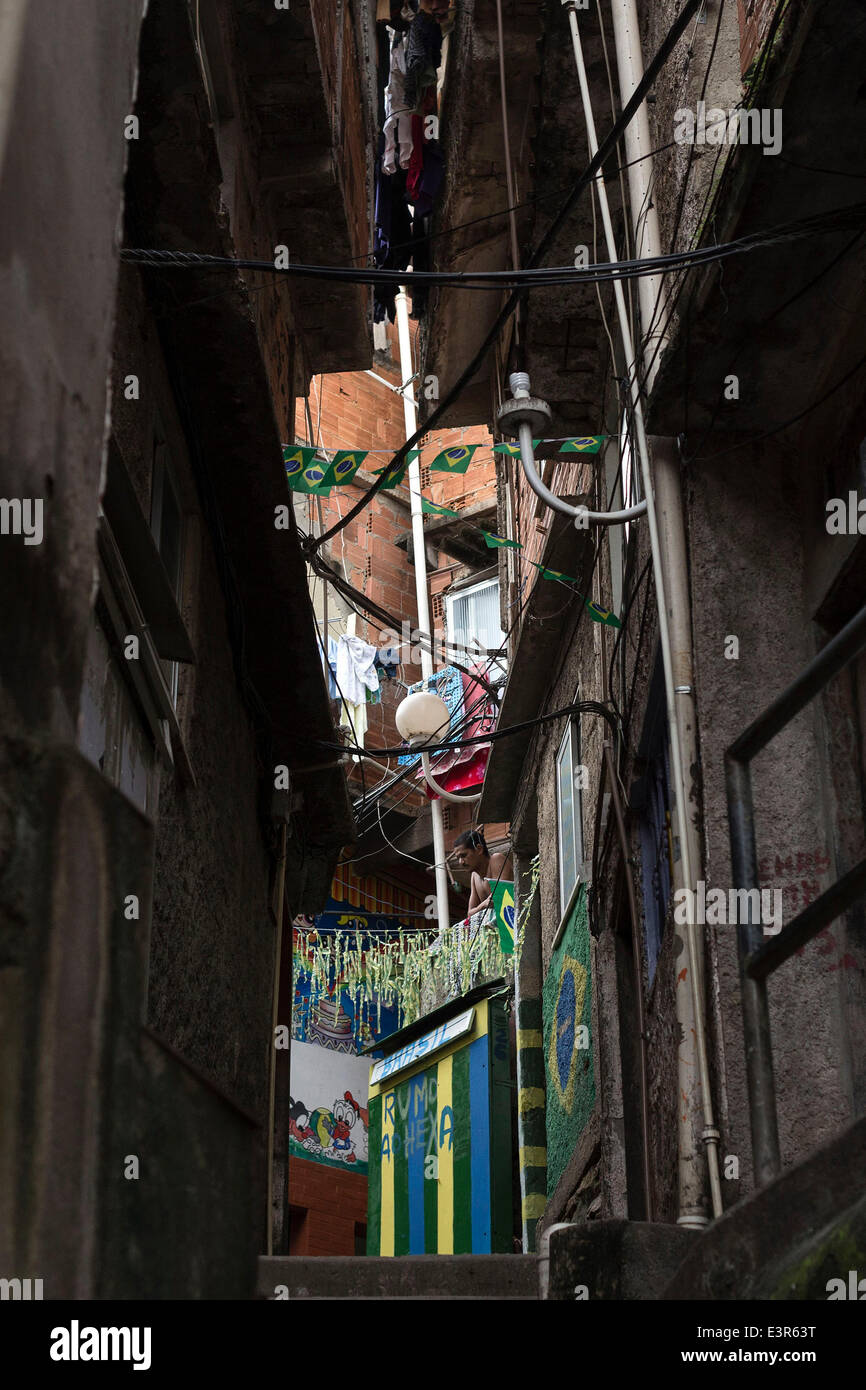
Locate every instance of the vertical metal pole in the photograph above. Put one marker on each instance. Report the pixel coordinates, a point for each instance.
(766, 1156)
(420, 555)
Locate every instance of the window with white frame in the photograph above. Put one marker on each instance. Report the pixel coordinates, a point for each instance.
(569, 811)
(473, 619)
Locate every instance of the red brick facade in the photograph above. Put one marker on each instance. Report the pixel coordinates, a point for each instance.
(328, 1209)
(755, 19)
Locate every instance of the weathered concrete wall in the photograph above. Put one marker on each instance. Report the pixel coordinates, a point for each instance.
(729, 534)
(212, 943)
(680, 87)
(61, 194)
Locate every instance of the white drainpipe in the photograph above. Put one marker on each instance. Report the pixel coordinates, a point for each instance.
(693, 1064)
(420, 556)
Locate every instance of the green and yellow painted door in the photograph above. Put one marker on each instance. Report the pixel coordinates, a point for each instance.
(439, 1176)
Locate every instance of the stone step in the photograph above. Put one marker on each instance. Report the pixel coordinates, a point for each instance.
(401, 1276)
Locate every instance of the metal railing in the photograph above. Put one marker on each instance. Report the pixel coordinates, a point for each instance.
(759, 958)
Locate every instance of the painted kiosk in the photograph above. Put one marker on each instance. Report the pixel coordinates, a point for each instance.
(440, 1136)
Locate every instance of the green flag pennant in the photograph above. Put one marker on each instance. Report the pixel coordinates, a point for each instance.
(602, 615)
(512, 450)
(502, 894)
(555, 574)
(395, 479)
(434, 509)
(344, 466)
(305, 472)
(455, 460)
(499, 542)
(587, 444)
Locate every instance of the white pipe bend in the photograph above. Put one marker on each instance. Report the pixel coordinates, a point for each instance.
(527, 458)
(440, 791)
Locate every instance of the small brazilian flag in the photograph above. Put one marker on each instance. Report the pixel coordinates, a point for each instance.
(434, 509)
(602, 615)
(499, 542)
(555, 574)
(513, 450)
(395, 478)
(344, 466)
(305, 472)
(455, 460)
(590, 444)
(503, 905)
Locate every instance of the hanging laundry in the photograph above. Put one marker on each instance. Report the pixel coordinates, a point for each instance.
(356, 672)
(392, 246)
(387, 663)
(398, 128)
(415, 167)
(423, 55)
(431, 180)
(333, 692)
(355, 720)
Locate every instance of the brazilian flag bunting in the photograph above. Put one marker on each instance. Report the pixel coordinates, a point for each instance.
(590, 444)
(344, 466)
(434, 509)
(455, 460)
(602, 615)
(513, 450)
(305, 472)
(503, 905)
(555, 574)
(395, 479)
(499, 542)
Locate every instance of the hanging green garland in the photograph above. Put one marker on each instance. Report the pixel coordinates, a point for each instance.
(406, 970)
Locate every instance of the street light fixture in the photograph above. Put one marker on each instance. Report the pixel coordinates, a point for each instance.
(424, 718)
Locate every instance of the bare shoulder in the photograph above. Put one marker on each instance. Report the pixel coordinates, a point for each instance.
(501, 866)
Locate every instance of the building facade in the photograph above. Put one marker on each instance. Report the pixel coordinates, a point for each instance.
(161, 672)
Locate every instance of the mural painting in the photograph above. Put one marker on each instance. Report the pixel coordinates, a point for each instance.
(328, 1115)
(567, 999)
(440, 1147)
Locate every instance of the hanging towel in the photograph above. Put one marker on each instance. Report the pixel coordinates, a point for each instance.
(333, 692)
(356, 673)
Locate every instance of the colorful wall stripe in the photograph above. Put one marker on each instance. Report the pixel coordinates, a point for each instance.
(442, 1133)
(532, 1124)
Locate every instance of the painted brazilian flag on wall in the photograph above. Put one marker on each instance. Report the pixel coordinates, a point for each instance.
(503, 905)
(568, 1043)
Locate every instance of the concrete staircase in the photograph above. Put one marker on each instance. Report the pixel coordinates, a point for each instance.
(787, 1241)
(403, 1276)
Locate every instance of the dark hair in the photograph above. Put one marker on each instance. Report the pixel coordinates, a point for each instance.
(473, 839)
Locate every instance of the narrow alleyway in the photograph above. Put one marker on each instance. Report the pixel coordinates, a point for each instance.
(433, 665)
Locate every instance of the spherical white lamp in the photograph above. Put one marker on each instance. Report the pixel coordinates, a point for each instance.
(423, 717)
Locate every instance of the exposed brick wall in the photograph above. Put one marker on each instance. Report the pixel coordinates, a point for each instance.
(352, 410)
(755, 17)
(326, 1205)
